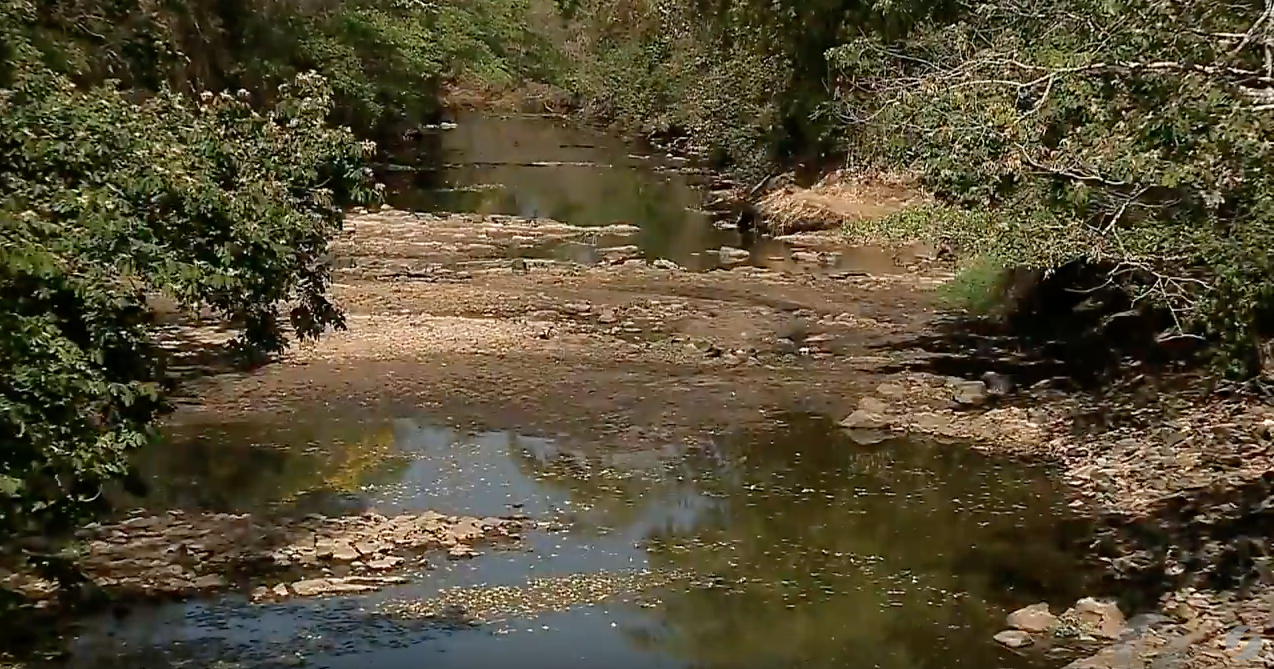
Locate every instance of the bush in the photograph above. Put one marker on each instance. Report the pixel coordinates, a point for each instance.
(106, 200)
(1132, 137)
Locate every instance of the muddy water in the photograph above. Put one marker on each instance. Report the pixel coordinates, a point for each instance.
(786, 547)
(536, 166)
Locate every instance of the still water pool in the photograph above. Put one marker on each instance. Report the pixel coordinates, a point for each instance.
(790, 546)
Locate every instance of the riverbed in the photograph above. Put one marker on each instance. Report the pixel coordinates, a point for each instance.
(672, 429)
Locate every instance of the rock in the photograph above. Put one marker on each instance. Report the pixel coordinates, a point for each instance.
(1122, 656)
(891, 390)
(339, 551)
(864, 420)
(261, 593)
(388, 562)
(209, 582)
(808, 257)
(280, 590)
(1035, 618)
(1014, 638)
(459, 552)
(970, 393)
(997, 385)
(1097, 618)
(873, 405)
(664, 263)
(732, 256)
(616, 255)
(315, 587)
(608, 316)
(518, 265)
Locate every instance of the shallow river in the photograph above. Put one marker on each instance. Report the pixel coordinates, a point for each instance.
(792, 547)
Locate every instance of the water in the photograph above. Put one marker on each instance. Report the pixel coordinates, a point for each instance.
(791, 546)
(534, 166)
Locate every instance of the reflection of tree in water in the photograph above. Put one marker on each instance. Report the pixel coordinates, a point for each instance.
(604, 493)
(824, 553)
(256, 466)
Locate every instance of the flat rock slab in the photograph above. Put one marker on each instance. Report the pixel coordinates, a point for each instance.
(177, 554)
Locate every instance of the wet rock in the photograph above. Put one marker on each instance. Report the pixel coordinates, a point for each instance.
(873, 405)
(385, 563)
(996, 384)
(617, 255)
(1035, 619)
(460, 553)
(970, 393)
(1095, 618)
(664, 263)
(730, 255)
(317, 587)
(891, 390)
(807, 257)
(864, 420)
(209, 582)
(1014, 638)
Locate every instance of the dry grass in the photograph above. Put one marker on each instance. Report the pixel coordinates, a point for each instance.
(838, 198)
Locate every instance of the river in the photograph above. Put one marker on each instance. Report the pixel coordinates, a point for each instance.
(786, 546)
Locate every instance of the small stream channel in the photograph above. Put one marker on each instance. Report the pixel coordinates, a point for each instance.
(792, 546)
(546, 167)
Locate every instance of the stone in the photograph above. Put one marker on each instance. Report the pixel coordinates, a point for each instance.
(209, 582)
(1014, 638)
(891, 390)
(864, 420)
(1097, 618)
(970, 393)
(664, 263)
(260, 593)
(1035, 618)
(730, 255)
(368, 547)
(280, 590)
(382, 564)
(343, 552)
(608, 316)
(315, 587)
(997, 384)
(808, 257)
(458, 552)
(873, 405)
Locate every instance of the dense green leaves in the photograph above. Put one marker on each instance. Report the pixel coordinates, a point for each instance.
(1096, 132)
(106, 201)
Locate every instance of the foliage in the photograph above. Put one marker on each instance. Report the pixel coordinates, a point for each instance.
(108, 201)
(1133, 136)
(385, 59)
(742, 77)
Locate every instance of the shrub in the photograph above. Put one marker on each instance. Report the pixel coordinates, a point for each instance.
(106, 200)
(1133, 137)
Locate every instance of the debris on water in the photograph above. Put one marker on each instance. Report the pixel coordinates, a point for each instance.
(487, 604)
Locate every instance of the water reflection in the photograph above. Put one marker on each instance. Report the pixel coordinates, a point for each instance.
(804, 548)
(538, 167)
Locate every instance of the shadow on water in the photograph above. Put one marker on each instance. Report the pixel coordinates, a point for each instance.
(545, 167)
(803, 549)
